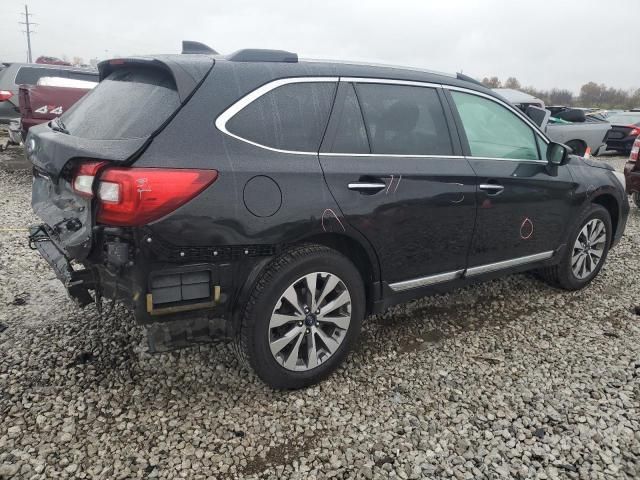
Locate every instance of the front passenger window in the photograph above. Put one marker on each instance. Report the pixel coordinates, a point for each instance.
(493, 131)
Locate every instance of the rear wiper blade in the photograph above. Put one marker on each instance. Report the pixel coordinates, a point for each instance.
(57, 125)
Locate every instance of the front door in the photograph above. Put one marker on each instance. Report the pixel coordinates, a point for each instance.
(400, 179)
(523, 203)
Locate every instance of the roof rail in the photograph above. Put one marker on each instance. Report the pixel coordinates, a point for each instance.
(263, 55)
(189, 46)
(467, 78)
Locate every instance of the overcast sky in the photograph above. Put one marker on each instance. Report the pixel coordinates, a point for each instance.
(544, 43)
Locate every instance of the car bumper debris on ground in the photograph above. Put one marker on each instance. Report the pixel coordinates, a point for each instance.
(508, 379)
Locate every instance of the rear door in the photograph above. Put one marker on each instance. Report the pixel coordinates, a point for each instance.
(397, 174)
(523, 203)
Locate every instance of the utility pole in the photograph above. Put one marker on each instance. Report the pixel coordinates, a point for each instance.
(28, 24)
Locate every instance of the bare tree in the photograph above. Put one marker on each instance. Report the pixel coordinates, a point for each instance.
(512, 82)
(493, 82)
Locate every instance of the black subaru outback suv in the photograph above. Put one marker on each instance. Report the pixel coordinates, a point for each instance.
(292, 198)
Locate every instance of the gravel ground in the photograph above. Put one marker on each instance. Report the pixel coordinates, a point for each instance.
(508, 379)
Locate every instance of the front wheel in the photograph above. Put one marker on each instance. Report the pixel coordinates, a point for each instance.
(587, 249)
(302, 318)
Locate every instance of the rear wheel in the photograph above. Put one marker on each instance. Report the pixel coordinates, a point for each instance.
(302, 318)
(587, 249)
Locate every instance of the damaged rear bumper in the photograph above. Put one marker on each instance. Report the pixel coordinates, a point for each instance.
(77, 282)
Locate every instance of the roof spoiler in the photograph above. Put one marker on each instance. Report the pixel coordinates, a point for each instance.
(189, 47)
(186, 74)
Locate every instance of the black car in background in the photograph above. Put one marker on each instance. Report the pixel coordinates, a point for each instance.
(15, 74)
(625, 128)
(291, 198)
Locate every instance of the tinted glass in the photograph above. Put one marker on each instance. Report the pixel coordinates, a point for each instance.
(493, 131)
(129, 103)
(404, 120)
(31, 75)
(87, 77)
(351, 136)
(290, 117)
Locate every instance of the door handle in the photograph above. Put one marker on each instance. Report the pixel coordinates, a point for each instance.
(491, 188)
(368, 187)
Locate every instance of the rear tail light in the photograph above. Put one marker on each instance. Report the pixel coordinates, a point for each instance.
(635, 151)
(84, 176)
(5, 95)
(137, 196)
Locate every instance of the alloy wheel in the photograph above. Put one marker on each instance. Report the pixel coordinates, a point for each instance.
(589, 248)
(310, 321)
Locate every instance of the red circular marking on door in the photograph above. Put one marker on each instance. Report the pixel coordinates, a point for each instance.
(526, 229)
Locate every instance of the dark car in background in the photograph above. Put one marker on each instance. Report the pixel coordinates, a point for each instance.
(625, 128)
(288, 199)
(16, 74)
(632, 172)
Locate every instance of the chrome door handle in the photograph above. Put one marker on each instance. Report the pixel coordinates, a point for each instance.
(491, 188)
(367, 186)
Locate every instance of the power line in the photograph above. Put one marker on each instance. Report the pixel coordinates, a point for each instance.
(28, 24)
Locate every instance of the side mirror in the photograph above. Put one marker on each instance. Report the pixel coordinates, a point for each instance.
(557, 153)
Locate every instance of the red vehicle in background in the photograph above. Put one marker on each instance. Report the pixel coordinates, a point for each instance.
(43, 102)
(632, 172)
(51, 61)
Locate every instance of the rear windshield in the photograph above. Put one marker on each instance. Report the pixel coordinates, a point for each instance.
(129, 103)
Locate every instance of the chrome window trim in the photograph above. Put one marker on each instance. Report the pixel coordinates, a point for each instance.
(227, 114)
(392, 155)
(469, 272)
(513, 262)
(389, 81)
(522, 160)
(425, 281)
(224, 117)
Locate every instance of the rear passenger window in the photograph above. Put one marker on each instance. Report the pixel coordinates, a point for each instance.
(290, 117)
(404, 120)
(351, 136)
(31, 75)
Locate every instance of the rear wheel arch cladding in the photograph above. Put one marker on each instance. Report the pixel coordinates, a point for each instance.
(243, 291)
(364, 260)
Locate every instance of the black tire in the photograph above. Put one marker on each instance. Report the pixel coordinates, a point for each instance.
(252, 341)
(635, 196)
(578, 147)
(562, 275)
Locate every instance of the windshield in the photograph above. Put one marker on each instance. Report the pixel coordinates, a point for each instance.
(130, 103)
(624, 118)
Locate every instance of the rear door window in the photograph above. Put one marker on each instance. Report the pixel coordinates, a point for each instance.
(290, 117)
(351, 135)
(131, 102)
(493, 131)
(404, 120)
